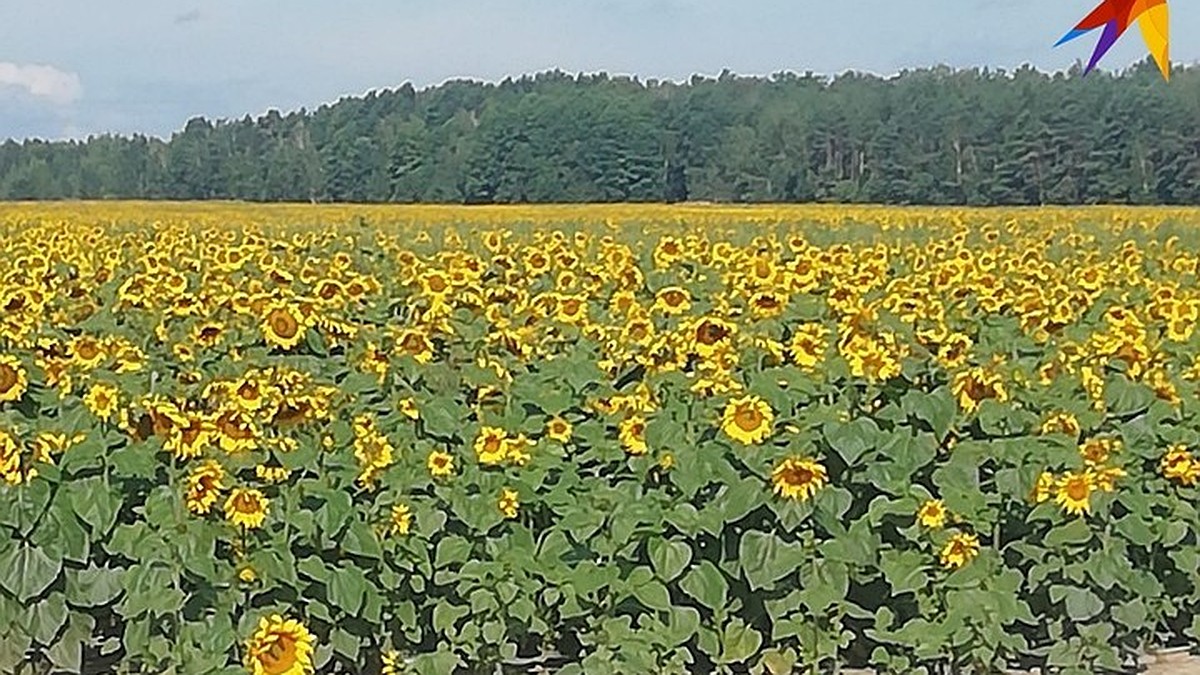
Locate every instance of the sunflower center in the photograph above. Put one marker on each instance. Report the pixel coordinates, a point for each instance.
(747, 418)
(800, 476)
(8, 377)
(283, 324)
(710, 333)
(437, 284)
(280, 657)
(492, 444)
(1077, 490)
(245, 503)
(87, 351)
(413, 344)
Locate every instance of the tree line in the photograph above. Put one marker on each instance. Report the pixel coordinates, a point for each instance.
(928, 136)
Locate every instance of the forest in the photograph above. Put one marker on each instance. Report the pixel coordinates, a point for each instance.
(927, 136)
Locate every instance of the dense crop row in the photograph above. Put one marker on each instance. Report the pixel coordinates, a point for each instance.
(596, 440)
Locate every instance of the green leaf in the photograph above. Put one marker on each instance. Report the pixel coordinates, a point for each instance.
(706, 584)
(437, 663)
(937, 408)
(1073, 532)
(446, 615)
(442, 416)
(851, 440)
(653, 595)
(669, 558)
(904, 571)
(739, 642)
(46, 617)
(347, 587)
(764, 560)
(93, 587)
(1082, 604)
(26, 571)
(94, 503)
(452, 549)
(360, 540)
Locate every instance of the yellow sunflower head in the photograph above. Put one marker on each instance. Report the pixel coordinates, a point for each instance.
(1074, 492)
(282, 325)
(798, 478)
(440, 464)
(559, 429)
(280, 647)
(747, 420)
(960, 549)
(509, 503)
(13, 379)
(932, 514)
(246, 507)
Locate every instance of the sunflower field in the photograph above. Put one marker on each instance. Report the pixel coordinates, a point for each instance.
(287, 439)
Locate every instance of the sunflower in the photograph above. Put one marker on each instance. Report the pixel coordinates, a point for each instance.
(203, 487)
(1061, 423)
(440, 464)
(372, 449)
(932, 514)
(672, 300)
(272, 474)
(13, 380)
(1106, 477)
(10, 460)
(1074, 492)
(401, 520)
(558, 429)
(189, 439)
(415, 343)
(747, 420)
(509, 503)
(1043, 490)
(808, 345)
(280, 647)
(102, 400)
(247, 575)
(798, 478)
(246, 507)
(710, 335)
(516, 449)
(393, 663)
(408, 408)
(633, 435)
(1096, 451)
(282, 325)
(87, 351)
(960, 549)
(666, 461)
(490, 446)
(1179, 465)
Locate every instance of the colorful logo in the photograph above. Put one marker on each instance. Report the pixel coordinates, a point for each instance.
(1115, 16)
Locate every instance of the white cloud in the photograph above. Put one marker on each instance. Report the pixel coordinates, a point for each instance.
(41, 81)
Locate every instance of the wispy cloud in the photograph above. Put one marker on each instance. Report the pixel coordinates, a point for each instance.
(41, 81)
(190, 16)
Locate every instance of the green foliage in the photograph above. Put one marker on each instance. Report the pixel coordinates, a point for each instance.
(931, 136)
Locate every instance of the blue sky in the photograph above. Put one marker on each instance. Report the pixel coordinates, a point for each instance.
(69, 68)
